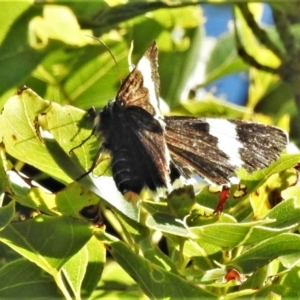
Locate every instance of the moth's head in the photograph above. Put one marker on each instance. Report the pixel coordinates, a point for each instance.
(104, 116)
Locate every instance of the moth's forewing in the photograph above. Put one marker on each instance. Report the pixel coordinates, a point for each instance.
(133, 130)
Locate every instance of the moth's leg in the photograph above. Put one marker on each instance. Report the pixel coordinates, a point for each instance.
(92, 113)
(94, 164)
(84, 141)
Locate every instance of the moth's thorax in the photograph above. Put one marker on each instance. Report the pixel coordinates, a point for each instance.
(103, 118)
(111, 111)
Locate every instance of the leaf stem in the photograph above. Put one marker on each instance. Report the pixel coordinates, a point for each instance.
(60, 284)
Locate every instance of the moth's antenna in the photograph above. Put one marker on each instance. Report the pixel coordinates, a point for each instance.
(107, 48)
(130, 64)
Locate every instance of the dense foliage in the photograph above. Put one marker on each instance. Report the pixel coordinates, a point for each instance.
(173, 248)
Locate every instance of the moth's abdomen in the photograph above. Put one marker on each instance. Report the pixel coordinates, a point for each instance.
(134, 170)
(125, 174)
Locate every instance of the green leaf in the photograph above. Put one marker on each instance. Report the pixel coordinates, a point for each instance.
(257, 278)
(58, 22)
(268, 195)
(252, 181)
(154, 206)
(213, 107)
(155, 281)
(116, 287)
(207, 198)
(174, 81)
(272, 104)
(284, 162)
(97, 74)
(15, 50)
(72, 199)
(137, 231)
(9, 15)
(74, 271)
(224, 60)
(286, 213)
(83, 271)
(35, 285)
(181, 201)
(5, 165)
(290, 7)
(105, 187)
(7, 214)
(291, 192)
(286, 286)
(35, 240)
(168, 224)
(202, 255)
(139, 237)
(96, 261)
(107, 17)
(233, 235)
(20, 135)
(266, 251)
(70, 166)
(30, 194)
(70, 126)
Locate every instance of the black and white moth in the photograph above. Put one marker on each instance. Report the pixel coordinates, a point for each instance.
(152, 151)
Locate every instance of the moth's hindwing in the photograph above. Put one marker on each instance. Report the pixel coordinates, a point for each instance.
(216, 148)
